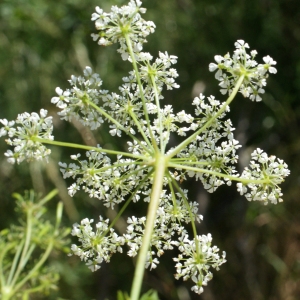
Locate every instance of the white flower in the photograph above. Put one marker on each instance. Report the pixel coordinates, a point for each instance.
(78, 101)
(219, 66)
(229, 69)
(122, 21)
(269, 62)
(159, 71)
(195, 261)
(62, 99)
(96, 246)
(103, 180)
(241, 44)
(8, 128)
(262, 178)
(25, 138)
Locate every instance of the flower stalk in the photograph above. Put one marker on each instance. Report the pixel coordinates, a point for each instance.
(158, 178)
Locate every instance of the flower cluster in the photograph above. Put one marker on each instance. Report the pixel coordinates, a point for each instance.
(197, 258)
(81, 100)
(214, 150)
(77, 102)
(170, 217)
(264, 176)
(124, 108)
(244, 64)
(168, 122)
(120, 23)
(24, 137)
(159, 71)
(96, 246)
(102, 179)
(100, 245)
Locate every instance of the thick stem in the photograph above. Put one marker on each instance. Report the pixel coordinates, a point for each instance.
(160, 167)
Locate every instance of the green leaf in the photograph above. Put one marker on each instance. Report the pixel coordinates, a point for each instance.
(150, 295)
(122, 296)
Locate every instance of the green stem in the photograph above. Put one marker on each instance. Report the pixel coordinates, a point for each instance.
(15, 261)
(191, 162)
(85, 147)
(108, 116)
(172, 191)
(22, 260)
(230, 177)
(6, 249)
(138, 124)
(48, 197)
(129, 174)
(141, 90)
(160, 167)
(119, 125)
(162, 146)
(189, 210)
(128, 202)
(36, 267)
(206, 125)
(136, 163)
(46, 254)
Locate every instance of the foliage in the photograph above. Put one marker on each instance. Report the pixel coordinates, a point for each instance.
(24, 249)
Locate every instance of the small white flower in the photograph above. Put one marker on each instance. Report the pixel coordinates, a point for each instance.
(25, 138)
(270, 62)
(264, 175)
(195, 262)
(97, 246)
(229, 70)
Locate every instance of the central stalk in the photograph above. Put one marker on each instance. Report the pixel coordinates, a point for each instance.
(161, 163)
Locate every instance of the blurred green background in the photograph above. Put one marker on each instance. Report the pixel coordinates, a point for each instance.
(42, 43)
